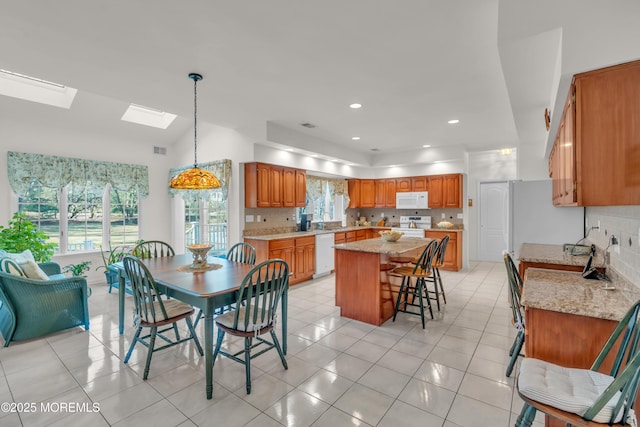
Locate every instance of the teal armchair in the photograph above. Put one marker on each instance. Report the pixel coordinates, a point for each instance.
(32, 308)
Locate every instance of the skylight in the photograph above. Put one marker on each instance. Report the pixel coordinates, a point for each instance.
(37, 90)
(148, 116)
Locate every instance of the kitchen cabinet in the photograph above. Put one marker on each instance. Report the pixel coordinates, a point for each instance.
(601, 121)
(367, 193)
(273, 186)
(362, 235)
(404, 185)
(453, 254)
(298, 253)
(354, 193)
(419, 183)
(445, 191)
(385, 193)
(339, 237)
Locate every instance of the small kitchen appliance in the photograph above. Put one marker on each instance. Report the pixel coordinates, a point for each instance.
(305, 222)
(413, 226)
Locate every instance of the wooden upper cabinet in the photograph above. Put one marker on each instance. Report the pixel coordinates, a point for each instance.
(436, 189)
(354, 193)
(452, 194)
(381, 188)
(419, 183)
(390, 193)
(404, 184)
(270, 186)
(367, 193)
(602, 164)
(288, 187)
(301, 188)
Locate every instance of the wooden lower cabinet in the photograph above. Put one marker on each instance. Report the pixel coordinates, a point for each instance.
(299, 253)
(453, 255)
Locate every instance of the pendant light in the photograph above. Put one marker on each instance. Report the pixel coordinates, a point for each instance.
(195, 178)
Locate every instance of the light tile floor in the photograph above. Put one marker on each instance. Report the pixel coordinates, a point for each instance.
(341, 372)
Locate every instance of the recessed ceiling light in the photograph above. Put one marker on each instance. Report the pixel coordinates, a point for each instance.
(288, 149)
(453, 121)
(148, 116)
(355, 105)
(37, 90)
(426, 146)
(355, 138)
(314, 155)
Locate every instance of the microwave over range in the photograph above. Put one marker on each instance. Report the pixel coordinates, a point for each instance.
(412, 200)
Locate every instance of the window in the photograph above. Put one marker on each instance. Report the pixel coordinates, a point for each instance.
(326, 199)
(206, 222)
(74, 219)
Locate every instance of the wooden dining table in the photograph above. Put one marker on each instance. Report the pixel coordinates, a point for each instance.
(207, 290)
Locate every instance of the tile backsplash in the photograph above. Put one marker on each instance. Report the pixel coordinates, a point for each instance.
(374, 215)
(270, 221)
(624, 223)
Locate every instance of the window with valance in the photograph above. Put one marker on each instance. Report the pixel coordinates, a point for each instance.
(327, 198)
(80, 204)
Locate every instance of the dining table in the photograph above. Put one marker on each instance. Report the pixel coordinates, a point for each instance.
(208, 290)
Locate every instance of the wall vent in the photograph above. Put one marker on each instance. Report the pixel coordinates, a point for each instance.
(160, 150)
(375, 149)
(308, 125)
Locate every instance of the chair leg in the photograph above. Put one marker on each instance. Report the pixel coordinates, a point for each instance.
(218, 345)
(198, 317)
(276, 343)
(526, 417)
(152, 342)
(517, 346)
(175, 329)
(192, 331)
(247, 362)
(444, 296)
(133, 344)
(419, 284)
(403, 288)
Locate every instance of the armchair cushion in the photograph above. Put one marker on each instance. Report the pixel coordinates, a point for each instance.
(26, 266)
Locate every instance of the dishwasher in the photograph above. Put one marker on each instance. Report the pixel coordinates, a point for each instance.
(324, 254)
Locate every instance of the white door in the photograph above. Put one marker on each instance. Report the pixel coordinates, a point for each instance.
(494, 220)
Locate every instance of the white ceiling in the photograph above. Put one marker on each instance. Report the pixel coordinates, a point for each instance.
(415, 64)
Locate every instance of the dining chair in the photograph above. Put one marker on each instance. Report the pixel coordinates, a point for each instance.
(152, 249)
(436, 278)
(261, 291)
(153, 312)
(414, 284)
(240, 252)
(586, 397)
(515, 292)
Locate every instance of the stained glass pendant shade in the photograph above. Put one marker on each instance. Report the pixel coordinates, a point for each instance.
(195, 178)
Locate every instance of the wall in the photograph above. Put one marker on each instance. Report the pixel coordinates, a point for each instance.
(624, 223)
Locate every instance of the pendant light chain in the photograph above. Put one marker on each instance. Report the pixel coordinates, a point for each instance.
(195, 122)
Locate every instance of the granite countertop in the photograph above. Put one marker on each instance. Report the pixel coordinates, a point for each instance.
(553, 254)
(568, 292)
(294, 234)
(379, 246)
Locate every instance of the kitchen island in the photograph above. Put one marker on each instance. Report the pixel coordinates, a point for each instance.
(360, 292)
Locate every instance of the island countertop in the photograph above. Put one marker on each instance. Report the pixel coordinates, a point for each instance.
(379, 246)
(568, 292)
(553, 254)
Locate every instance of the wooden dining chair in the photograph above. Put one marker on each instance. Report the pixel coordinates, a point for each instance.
(586, 397)
(240, 252)
(152, 249)
(436, 278)
(261, 291)
(515, 293)
(153, 312)
(414, 284)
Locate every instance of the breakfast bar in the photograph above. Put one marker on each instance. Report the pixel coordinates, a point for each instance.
(360, 293)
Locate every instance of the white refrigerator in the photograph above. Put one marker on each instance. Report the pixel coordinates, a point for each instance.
(534, 219)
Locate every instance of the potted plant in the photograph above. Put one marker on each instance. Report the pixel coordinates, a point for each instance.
(77, 269)
(113, 255)
(21, 234)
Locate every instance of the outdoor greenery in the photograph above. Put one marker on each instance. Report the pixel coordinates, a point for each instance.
(22, 234)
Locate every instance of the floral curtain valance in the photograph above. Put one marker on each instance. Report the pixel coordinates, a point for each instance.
(58, 172)
(316, 185)
(221, 169)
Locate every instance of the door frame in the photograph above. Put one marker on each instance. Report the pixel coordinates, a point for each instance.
(479, 231)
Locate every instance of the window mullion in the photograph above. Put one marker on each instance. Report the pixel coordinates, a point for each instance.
(64, 215)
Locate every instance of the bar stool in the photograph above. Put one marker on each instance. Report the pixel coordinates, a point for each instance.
(436, 279)
(414, 284)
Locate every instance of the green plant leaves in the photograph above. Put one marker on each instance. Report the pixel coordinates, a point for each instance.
(22, 234)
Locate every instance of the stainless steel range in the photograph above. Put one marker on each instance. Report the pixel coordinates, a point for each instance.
(413, 226)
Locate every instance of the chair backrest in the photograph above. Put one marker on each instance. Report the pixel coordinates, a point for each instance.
(442, 249)
(145, 291)
(260, 292)
(425, 261)
(242, 252)
(626, 366)
(515, 291)
(152, 249)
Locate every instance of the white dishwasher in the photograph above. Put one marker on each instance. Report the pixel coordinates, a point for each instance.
(324, 254)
